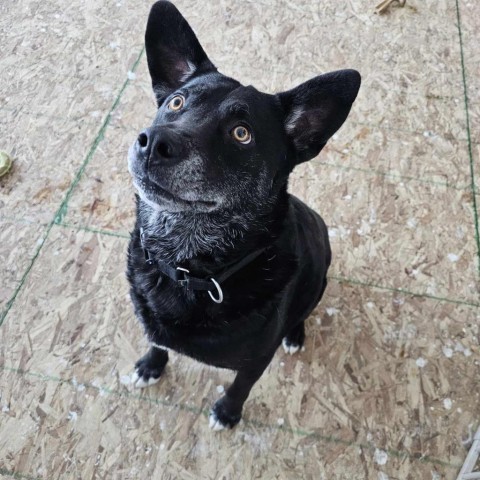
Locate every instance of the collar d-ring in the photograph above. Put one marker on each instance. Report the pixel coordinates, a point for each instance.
(219, 290)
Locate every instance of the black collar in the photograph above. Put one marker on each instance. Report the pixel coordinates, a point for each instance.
(182, 275)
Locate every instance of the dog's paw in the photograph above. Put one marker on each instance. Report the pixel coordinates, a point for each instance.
(142, 380)
(220, 418)
(290, 347)
(215, 423)
(147, 370)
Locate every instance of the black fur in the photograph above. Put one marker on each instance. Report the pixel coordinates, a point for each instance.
(206, 201)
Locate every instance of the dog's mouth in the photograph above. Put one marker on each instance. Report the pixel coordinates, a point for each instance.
(159, 197)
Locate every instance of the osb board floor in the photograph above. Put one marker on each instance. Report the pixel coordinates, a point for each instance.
(387, 387)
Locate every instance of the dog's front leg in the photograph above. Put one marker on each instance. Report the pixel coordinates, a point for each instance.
(227, 411)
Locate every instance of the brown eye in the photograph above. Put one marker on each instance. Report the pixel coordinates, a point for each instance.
(176, 103)
(242, 134)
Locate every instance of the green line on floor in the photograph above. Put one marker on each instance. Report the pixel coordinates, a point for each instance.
(126, 394)
(398, 176)
(403, 291)
(62, 211)
(19, 475)
(469, 136)
(64, 205)
(109, 233)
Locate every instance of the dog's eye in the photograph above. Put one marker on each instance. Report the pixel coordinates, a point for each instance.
(241, 134)
(176, 103)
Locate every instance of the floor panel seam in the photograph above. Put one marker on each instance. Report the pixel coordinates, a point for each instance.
(126, 394)
(469, 137)
(64, 205)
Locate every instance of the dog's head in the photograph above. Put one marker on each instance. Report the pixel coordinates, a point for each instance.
(216, 144)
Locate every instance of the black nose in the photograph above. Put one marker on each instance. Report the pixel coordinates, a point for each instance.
(159, 145)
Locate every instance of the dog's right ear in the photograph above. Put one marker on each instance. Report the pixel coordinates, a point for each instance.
(173, 51)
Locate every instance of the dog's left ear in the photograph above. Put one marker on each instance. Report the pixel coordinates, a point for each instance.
(173, 50)
(316, 109)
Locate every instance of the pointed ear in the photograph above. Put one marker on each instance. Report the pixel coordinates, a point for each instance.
(173, 52)
(316, 109)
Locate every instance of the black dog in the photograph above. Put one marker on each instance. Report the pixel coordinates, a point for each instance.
(223, 263)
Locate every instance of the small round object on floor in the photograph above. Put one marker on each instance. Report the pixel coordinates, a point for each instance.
(5, 163)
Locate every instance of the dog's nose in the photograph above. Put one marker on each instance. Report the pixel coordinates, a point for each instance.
(159, 146)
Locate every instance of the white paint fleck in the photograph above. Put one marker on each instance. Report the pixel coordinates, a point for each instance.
(5, 409)
(380, 457)
(131, 75)
(282, 364)
(72, 416)
(280, 422)
(331, 311)
(80, 387)
(467, 352)
(421, 362)
(332, 232)
(398, 301)
(347, 197)
(436, 476)
(447, 403)
(453, 257)
(447, 351)
(370, 304)
(412, 223)
(220, 388)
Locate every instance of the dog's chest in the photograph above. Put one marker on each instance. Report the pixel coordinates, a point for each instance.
(225, 335)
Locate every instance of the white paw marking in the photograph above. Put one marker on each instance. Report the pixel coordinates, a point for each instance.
(214, 423)
(139, 382)
(290, 349)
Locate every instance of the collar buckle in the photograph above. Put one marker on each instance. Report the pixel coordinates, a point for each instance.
(184, 279)
(148, 256)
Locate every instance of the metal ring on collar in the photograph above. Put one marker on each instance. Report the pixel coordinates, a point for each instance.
(219, 290)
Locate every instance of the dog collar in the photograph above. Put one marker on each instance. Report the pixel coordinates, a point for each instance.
(182, 275)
